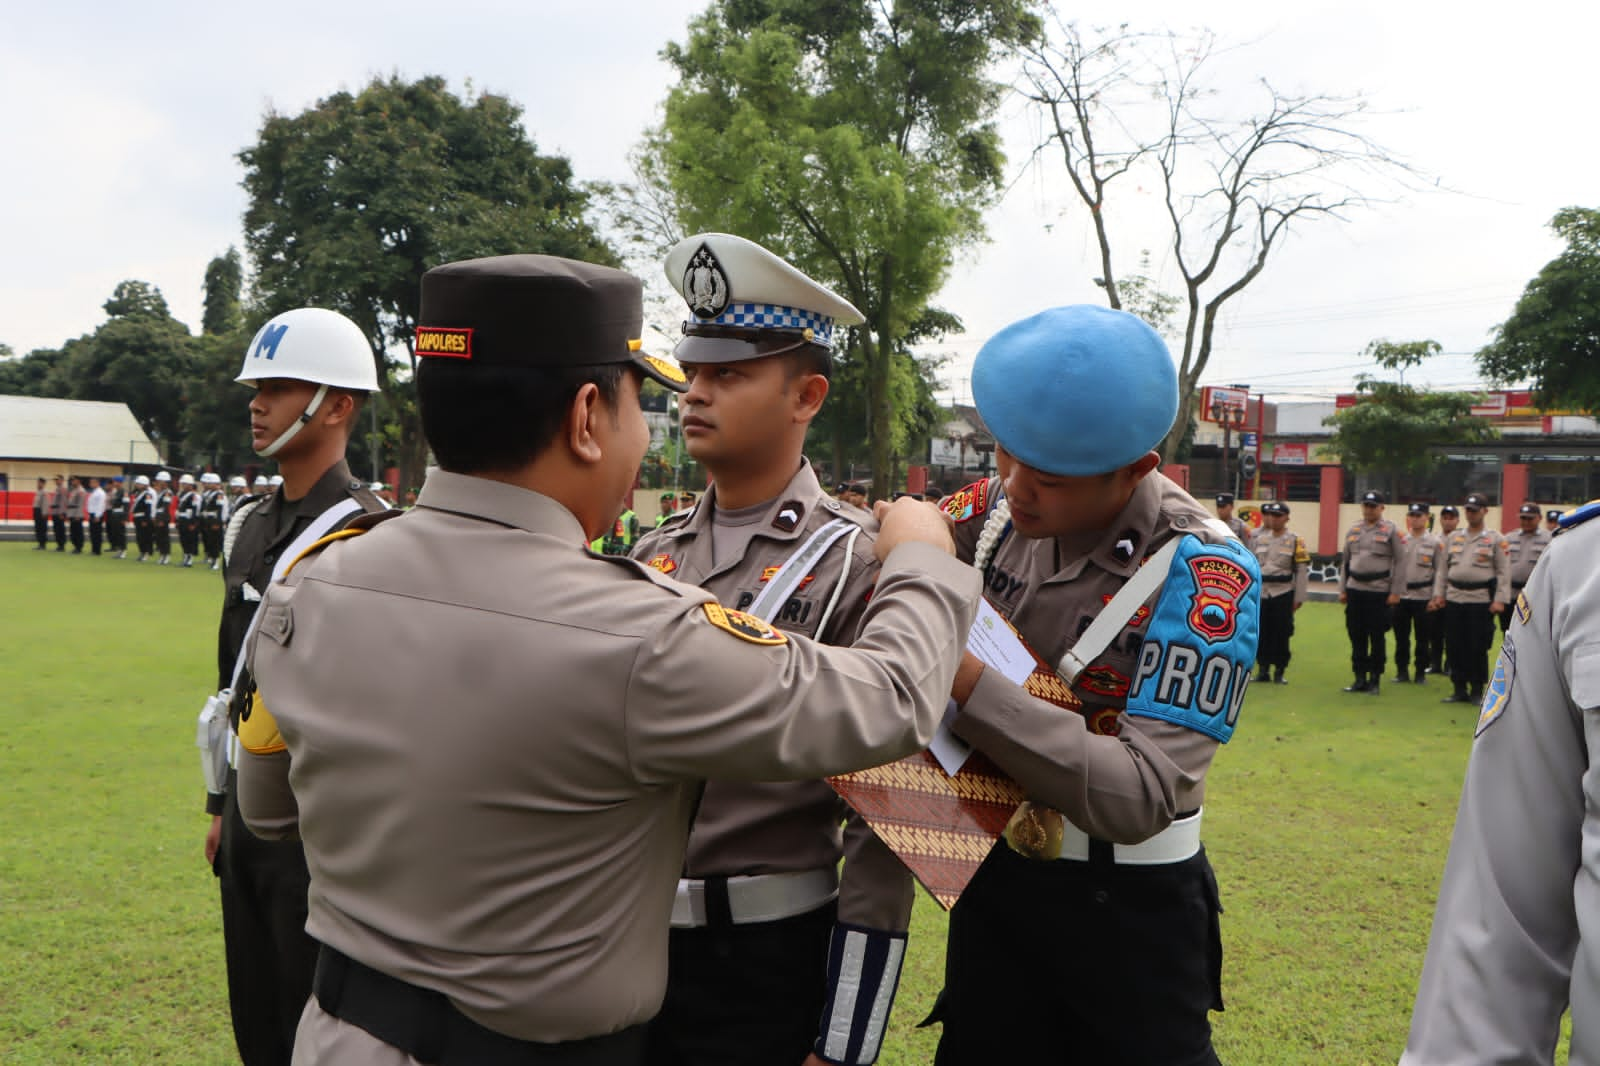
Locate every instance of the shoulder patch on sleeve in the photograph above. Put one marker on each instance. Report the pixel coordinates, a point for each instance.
(258, 730)
(1200, 646)
(1497, 693)
(967, 503)
(1579, 515)
(746, 627)
(1300, 553)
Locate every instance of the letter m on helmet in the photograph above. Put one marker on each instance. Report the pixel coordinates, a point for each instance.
(267, 343)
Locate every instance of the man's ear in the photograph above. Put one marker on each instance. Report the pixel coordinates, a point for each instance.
(1143, 465)
(583, 417)
(338, 407)
(810, 391)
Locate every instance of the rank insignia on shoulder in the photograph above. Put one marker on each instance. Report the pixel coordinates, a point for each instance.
(1523, 610)
(789, 516)
(965, 504)
(662, 563)
(746, 627)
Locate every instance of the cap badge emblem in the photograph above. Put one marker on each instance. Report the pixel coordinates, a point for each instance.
(705, 285)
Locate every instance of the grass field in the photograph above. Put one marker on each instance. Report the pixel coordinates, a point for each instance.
(1327, 820)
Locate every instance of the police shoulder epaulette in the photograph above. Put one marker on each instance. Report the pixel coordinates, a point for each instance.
(968, 502)
(1578, 515)
(361, 523)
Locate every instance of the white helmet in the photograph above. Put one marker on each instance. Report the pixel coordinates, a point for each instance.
(310, 344)
(237, 481)
(186, 479)
(275, 480)
(162, 475)
(261, 481)
(208, 478)
(141, 481)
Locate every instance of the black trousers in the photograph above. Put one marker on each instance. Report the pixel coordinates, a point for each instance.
(271, 959)
(211, 538)
(96, 533)
(41, 527)
(76, 533)
(1277, 626)
(1366, 619)
(1413, 616)
(189, 537)
(1083, 963)
(1469, 632)
(161, 538)
(141, 534)
(1510, 609)
(59, 524)
(743, 995)
(117, 533)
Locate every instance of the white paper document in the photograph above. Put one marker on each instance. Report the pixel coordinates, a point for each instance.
(997, 645)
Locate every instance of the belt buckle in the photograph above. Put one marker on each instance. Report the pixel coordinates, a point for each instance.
(1036, 831)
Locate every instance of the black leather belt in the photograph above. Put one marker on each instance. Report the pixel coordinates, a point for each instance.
(1472, 586)
(1418, 584)
(1277, 579)
(427, 1026)
(1368, 577)
(1518, 586)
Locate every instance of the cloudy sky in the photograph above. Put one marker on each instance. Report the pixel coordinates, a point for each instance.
(121, 124)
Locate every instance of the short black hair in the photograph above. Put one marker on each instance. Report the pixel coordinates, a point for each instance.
(491, 417)
(809, 359)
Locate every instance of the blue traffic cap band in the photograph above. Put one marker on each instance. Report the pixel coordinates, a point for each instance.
(775, 317)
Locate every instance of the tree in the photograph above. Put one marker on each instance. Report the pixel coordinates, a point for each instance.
(1123, 108)
(224, 285)
(1553, 335)
(853, 139)
(352, 200)
(1396, 429)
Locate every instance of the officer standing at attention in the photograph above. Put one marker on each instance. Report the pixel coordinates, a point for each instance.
(1473, 584)
(188, 512)
(213, 517)
(1240, 527)
(58, 513)
(1412, 613)
(1093, 926)
(1515, 940)
(311, 370)
(76, 500)
(1524, 546)
(1370, 583)
(1552, 520)
(751, 976)
(161, 507)
(1449, 519)
(1285, 580)
(668, 503)
(143, 498)
(117, 518)
(95, 508)
(558, 793)
(41, 515)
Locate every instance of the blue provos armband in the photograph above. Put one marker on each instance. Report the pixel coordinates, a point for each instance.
(1201, 642)
(863, 974)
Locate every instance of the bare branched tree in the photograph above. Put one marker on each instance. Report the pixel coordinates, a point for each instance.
(1123, 107)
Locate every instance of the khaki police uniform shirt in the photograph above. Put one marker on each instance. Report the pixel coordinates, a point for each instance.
(1423, 552)
(1372, 558)
(1124, 788)
(495, 741)
(1474, 558)
(1241, 528)
(1282, 555)
(74, 504)
(1516, 932)
(744, 828)
(1524, 550)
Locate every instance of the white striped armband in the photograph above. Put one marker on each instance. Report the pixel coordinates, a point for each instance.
(863, 974)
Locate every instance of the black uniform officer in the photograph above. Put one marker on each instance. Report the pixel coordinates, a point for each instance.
(188, 515)
(213, 518)
(161, 516)
(117, 518)
(315, 368)
(139, 506)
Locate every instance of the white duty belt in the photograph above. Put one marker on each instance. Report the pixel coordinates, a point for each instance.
(1175, 843)
(760, 898)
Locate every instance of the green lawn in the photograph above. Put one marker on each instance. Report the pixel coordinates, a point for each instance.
(1327, 820)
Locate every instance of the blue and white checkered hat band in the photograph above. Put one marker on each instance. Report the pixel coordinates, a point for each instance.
(774, 316)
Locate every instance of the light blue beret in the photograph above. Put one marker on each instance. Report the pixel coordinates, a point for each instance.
(1076, 390)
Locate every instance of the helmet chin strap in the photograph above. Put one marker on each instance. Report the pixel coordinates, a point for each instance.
(316, 401)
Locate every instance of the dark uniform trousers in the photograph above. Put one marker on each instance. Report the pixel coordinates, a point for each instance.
(41, 527)
(189, 536)
(142, 532)
(1277, 626)
(1366, 619)
(97, 525)
(59, 524)
(1413, 616)
(1018, 939)
(772, 1018)
(270, 956)
(76, 532)
(161, 533)
(1469, 634)
(116, 532)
